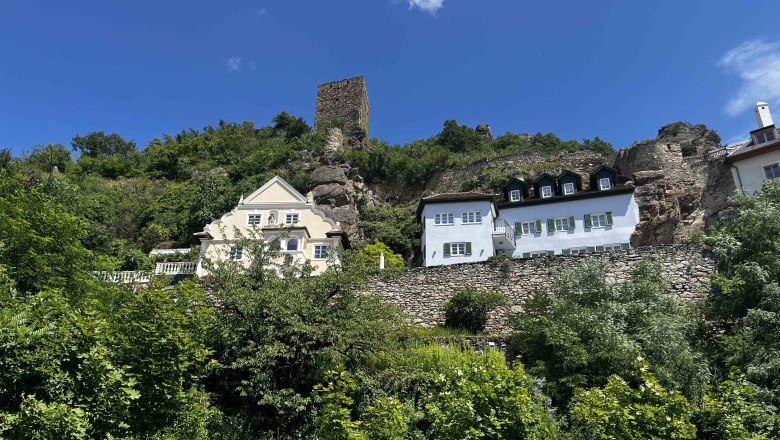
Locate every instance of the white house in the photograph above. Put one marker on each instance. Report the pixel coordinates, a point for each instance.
(758, 159)
(282, 217)
(552, 215)
(457, 228)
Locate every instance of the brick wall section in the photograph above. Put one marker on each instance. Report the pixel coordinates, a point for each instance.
(421, 292)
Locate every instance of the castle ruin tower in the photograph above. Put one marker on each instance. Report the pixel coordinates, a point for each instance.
(343, 104)
(763, 117)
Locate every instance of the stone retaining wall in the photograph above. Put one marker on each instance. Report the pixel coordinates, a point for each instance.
(421, 292)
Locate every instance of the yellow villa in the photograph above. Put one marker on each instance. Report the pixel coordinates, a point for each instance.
(279, 215)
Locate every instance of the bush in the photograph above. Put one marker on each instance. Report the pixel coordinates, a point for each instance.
(469, 308)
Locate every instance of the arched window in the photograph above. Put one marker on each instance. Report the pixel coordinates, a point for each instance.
(276, 245)
(292, 244)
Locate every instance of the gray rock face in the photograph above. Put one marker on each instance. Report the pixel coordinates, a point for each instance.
(337, 192)
(329, 174)
(677, 196)
(484, 131)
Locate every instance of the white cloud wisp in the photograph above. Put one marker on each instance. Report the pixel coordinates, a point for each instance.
(758, 65)
(427, 5)
(233, 64)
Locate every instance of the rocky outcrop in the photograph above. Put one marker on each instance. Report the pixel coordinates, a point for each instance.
(677, 196)
(338, 191)
(484, 131)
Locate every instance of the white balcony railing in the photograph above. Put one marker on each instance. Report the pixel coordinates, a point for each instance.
(175, 268)
(503, 228)
(145, 276)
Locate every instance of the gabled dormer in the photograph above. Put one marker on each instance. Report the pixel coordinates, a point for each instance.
(764, 135)
(569, 183)
(515, 189)
(545, 186)
(603, 178)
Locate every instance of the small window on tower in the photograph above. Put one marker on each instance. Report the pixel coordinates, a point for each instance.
(338, 102)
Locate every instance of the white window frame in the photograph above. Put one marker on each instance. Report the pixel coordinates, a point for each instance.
(322, 250)
(254, 220)
(775, 171)
(458, 249)
(530, 225)
(546, 191)
(290, 216)
(568, 188)
(764, 137)
(298, 244)
(235, 252)
(514, 195)
(443, 219)
(602, 185)
(561, 222)
(602, 223)
(471, 217)
(613, 247)
(578, 251)
(538, 254)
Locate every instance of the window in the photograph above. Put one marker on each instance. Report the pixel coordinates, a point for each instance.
(568, 188)
(253, 220)
(768, 136)
(457, 249)
(235, 253)
(320, 251)
(598, 220)
(772, 171)
(546, 192)
(612, 247)
(578, 251)
(605, 183)
(561, 224)
(472, 217)
(528, 228)
(537, 254)
(514, 195)
(444, 218)
(291, 218)
(292, 244)
(276, 245)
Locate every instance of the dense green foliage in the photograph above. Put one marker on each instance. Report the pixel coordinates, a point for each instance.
(469, 309)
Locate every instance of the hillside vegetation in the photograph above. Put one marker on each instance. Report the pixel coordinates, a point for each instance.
(134, 200)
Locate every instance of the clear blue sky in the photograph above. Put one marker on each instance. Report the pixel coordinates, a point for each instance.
(580, 69)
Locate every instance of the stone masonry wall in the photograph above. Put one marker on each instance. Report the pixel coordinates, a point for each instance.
(422, 292)
(343, 104)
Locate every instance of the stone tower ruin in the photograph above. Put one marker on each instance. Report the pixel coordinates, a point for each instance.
(343, 104)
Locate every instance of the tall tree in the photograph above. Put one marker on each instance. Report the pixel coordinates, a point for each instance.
(99, 145)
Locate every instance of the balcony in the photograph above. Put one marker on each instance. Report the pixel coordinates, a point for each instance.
(175, 268)
(145, 276)
(504, 235)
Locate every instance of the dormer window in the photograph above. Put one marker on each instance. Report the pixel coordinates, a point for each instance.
(514, 195)
(568, 188)
(546, 192)
(605, 183)
(767, 136)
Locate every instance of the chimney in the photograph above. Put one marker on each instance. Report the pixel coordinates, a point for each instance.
(763, 117)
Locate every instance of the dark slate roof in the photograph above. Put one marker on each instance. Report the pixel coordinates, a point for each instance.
(585, 194)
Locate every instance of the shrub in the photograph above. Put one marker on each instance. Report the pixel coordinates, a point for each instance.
(469, 308)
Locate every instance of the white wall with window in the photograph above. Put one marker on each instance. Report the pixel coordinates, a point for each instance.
(456, 232)
(750, 173)
(572, 224)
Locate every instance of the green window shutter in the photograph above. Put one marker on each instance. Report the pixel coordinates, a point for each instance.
(591, 249)
(518, 228)
(526, 255)
(572, 223)
(550, 225)
(566, 252)
(550, 253)
(588, 221)
(468, 248)
(625, 246)
(446, 249)
(599, 248)
(609, 219)
(538, 226)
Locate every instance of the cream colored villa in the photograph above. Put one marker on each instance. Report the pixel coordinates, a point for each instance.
(281, 216)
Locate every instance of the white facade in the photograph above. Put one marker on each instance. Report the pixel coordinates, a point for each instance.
(749, 174)
(279, 215)
(440, 237)
(613, 219)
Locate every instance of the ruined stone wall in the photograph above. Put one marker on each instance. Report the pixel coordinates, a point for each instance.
(343, 104)
(422, 292)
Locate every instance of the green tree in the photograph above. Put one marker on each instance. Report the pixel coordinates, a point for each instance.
(469, 308)
(289, 126)
(639, 408)
(99, 145)
(372, 254)
(586, 330)
(46, 157)
(458, 138)
(733, 411)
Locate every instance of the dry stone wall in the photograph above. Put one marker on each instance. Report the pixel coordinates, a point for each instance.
(422, 292)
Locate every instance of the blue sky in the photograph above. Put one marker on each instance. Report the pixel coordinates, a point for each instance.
(614, 69)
